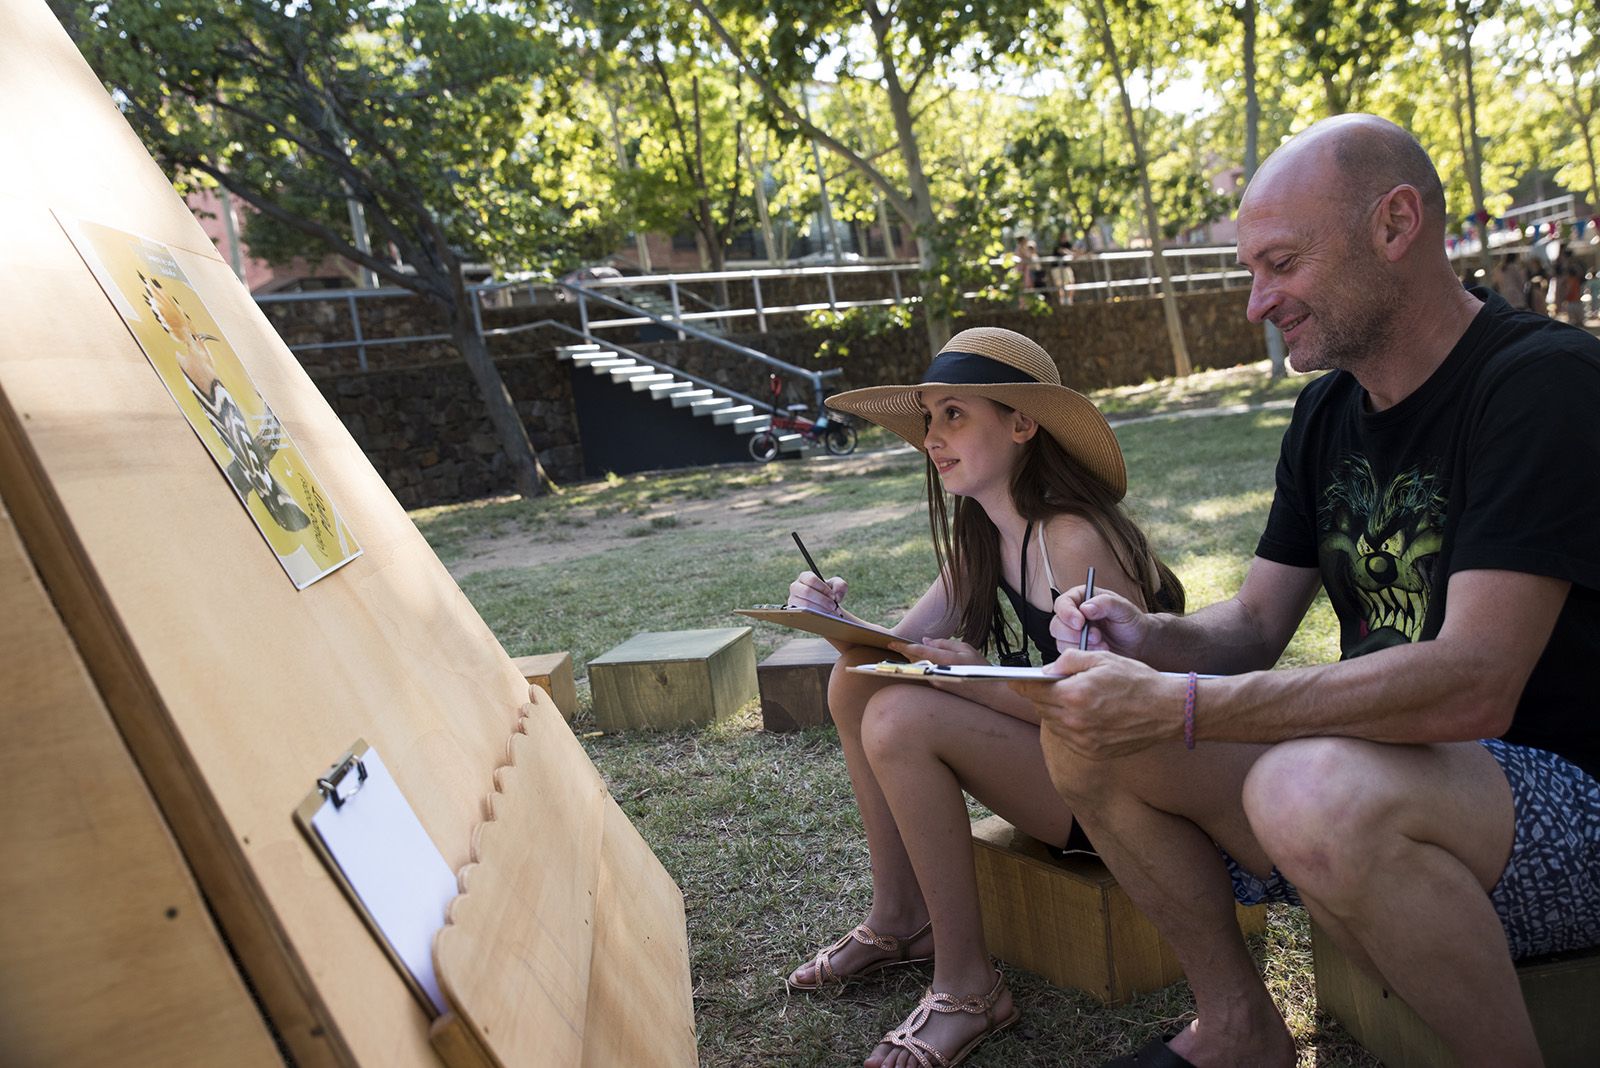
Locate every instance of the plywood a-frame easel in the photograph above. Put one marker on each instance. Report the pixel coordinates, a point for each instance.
(184, 661)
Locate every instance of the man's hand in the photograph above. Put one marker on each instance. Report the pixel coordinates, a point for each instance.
(1109, 706)
(1114, 622)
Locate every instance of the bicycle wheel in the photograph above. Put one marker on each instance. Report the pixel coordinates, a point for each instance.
(840, 439)
(763, 446)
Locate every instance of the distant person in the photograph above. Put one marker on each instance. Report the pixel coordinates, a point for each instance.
(1061, 271)
(1027, 263)
(1432, 798)
(1024, 479)
(1510, 280)
(1567, 275)
(1538, 289)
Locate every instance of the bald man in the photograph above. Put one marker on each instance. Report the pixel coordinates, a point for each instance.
(1443, 486)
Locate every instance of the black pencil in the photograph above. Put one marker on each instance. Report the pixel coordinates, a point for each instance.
(1088, 592)
(812, 564)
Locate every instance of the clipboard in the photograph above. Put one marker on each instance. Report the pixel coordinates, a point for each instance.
(928, 671)
(367, 836)
(821, 623)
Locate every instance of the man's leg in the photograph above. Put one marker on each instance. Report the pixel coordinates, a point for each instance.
(1393, 849)
(1156, 818)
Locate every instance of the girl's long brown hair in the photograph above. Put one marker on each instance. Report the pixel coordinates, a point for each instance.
(1047, 482)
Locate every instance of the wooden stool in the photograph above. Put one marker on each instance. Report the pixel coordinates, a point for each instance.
(673, 678)
(1068, 920)
(1561, 991)
(553, 673)
(794, 684)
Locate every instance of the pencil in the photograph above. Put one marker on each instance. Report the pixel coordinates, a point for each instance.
(812, 564)
(1088, 592)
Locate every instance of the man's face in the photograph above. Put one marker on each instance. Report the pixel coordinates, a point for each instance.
(1315, 274)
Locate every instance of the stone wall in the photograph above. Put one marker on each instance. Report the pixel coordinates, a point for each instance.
(1095, 345)
(419, 417)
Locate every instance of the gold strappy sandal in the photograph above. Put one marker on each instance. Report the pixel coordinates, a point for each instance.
(825, 975)
(905, 1036)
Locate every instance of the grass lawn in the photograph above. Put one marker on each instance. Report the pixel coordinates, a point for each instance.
(760, 830)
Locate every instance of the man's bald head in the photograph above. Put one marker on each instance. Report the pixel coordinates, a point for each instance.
(1356, 159)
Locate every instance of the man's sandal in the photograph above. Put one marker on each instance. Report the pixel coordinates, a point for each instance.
(824, 974)
(905, 1036)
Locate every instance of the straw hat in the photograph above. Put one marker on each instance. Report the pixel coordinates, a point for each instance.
(1003, 366)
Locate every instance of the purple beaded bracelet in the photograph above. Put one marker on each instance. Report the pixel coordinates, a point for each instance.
(1188, 713)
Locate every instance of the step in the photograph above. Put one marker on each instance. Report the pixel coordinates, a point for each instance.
(643, 382)
(568, 352)
(727, 415)
(627, 374)
(597, 366)
(791, 443)
(710, 405)
(584, 359)
(749, 424)
(667, 389)
(690, 396)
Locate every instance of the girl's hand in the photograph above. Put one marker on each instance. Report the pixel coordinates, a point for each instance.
(939, 651)
(812, 591)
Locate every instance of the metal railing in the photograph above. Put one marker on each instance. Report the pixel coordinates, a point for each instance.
(585, 294)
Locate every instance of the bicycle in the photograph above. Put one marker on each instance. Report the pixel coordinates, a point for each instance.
(833, 432)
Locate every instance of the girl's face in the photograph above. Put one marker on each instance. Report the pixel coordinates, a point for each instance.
(974, 443)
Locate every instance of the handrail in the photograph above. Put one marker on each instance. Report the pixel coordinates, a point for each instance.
(657, 364)
(584, 295)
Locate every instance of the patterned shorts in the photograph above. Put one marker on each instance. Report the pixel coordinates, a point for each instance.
(1548, 897)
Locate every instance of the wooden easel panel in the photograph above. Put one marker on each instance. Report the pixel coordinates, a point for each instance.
(107, 954)
(232, 689)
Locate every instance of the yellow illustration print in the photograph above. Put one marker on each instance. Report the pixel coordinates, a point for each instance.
(204, 376)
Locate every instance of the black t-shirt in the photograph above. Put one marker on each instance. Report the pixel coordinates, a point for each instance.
(1493, 463)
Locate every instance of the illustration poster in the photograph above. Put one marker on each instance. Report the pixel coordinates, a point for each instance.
(228, 414)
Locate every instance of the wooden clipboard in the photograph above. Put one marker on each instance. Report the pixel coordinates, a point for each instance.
(814, 622)
(344, 786)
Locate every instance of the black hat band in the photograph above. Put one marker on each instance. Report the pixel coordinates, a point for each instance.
(971, 369)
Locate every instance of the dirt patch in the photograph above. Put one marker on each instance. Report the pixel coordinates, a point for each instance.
(755, 510)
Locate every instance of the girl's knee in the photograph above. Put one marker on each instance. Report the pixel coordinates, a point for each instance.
(894, 723)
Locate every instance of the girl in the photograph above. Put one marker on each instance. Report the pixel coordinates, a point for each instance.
(1036, 475)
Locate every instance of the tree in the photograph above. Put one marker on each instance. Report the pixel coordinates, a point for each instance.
(1100, 25)
(1560, 43)
(1346, 45)
(414, 109)
(908, 47)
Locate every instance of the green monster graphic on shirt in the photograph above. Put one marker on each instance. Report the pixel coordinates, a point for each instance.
(1378, 548)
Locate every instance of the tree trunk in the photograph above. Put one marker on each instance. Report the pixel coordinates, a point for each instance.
(1169, 298)
(1252, 158)
(935, 318)
(1252, 102)
(1475, 161)
(527, 473)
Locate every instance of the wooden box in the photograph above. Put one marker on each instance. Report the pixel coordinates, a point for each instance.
(794, 684)
(552, 672)
(1068, 920)
(673, 678)
(1562, 993)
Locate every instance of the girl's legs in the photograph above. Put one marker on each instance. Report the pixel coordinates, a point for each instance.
(924, 746)
(897, 905)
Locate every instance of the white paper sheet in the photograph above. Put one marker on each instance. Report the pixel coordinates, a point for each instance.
(393, 866)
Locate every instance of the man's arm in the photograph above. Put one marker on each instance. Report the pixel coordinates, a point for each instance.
(1462, 685)
(1245, 633)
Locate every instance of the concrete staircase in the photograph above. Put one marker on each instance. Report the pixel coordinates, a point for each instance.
(634, 417)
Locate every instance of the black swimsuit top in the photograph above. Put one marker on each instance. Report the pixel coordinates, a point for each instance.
(1035, 621)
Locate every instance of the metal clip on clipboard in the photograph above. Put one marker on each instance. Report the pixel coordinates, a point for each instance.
(332, 783)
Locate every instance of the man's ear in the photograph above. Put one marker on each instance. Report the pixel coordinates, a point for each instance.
(1398, 222)
(1023, 427)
